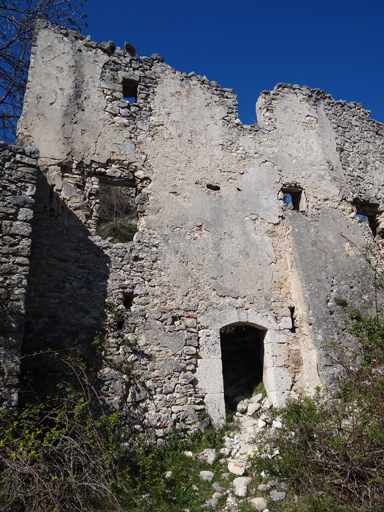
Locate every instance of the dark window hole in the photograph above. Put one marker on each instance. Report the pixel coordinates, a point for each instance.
(128, 300)
(130, 90)
(239, 189)
(292, 310)
(292, 198)
(370, 219)
(368, 212)
(242, 350)
(211, 186)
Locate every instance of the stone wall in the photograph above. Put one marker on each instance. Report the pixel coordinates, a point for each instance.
(216, 245)
(18, 169)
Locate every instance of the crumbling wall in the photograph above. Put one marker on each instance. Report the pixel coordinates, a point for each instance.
(216, 244)
(327, 256)
(18, 169)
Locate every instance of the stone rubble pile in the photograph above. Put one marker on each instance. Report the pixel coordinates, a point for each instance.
(253, 434)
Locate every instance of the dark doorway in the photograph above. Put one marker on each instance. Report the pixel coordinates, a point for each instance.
(242, 355)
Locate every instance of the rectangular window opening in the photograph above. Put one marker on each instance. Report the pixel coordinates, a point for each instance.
(130, 90)
(369, 214)
(117, 213)
(292, 198)
(128, 300)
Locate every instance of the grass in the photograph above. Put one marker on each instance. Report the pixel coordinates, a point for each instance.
(64, 455)
(332, 445)
(260, 388)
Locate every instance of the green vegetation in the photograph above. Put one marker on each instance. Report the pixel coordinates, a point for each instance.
(122, 230)
(260, 388)
(59, 455)
(341, 302)
(67, 454)
(117, 213)
(332, 446)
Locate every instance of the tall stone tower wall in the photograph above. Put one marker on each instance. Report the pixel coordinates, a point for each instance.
(18, 170)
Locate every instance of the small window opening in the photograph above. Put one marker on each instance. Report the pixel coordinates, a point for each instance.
(368, 213)
(117, 213)
(292, 310)
(128, 300)
(130, 89)
(292, 198)
(370, 220)
(211, 186)
(242, 350)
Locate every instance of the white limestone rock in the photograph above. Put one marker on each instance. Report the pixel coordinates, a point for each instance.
(240, 485)
(207, 476)
(236, 468)
(259, 504)
(252, 408)
(256, 398)
(242, 406)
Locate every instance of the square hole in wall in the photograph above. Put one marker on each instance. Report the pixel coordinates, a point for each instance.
(117, 213)
(127, 300)
(292, 197)
(130, 89)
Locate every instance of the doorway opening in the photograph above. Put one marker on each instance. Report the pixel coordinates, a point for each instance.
(242, 352)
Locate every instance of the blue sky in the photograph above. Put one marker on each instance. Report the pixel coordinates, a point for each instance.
(335, 45)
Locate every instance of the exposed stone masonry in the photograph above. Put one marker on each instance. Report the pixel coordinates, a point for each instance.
(216, 244)
(18, 168)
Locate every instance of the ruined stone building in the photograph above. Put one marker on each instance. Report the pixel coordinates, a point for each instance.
(246, 238)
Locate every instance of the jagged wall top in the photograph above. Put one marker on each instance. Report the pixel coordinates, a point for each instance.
(216, 243)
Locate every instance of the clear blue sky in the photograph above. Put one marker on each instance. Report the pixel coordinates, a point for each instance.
(251, 45)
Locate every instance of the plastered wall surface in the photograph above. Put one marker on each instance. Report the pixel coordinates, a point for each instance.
(216, 243)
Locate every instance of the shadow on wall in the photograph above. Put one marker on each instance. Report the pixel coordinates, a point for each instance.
(66, 293)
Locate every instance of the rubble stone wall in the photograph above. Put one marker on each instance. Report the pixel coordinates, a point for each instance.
(18, 169)
(216, 245)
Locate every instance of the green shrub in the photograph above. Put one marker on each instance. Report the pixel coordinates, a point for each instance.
(341, 302)
(67, 454)
(58, 455)
(122, 231)
(332, 446)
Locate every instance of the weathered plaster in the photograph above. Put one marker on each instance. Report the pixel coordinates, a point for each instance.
(216, 245)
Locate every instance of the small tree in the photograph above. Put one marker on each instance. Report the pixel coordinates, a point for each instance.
(114, 203)
(117, 213)
(17, 24)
